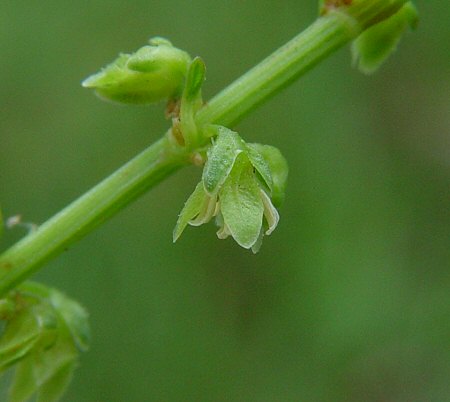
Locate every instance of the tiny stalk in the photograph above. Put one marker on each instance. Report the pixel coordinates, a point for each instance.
(140, 78)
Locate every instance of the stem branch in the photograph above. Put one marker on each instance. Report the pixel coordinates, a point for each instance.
(288, 63)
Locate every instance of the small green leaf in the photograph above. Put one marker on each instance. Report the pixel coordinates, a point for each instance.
(278, 170)
(221, 157)
(194, 79)
(191, 102)
(241, 203)
(191, 209)
(377, 43)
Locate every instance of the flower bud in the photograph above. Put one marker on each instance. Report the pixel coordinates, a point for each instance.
(154, 73)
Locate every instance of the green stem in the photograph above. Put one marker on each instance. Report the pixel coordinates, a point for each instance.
(89, 211)
(327, 34)
(295, 58)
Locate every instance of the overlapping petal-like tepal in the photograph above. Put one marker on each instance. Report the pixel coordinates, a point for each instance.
(154, 73)
(237, 188)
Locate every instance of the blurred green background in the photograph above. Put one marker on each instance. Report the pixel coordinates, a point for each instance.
(348, 300)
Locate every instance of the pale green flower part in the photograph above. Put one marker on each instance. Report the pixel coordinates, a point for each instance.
(277, 169)
(154, 73)
(236, 190)
(44, 333)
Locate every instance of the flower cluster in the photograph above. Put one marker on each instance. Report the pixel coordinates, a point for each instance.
(239, 186)
(42, 338)
(242, 184)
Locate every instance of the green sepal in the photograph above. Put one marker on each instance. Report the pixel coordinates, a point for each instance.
(241, 204)
(190, 210)
(221, 158)
(261, 166)
(376, 44)
(278, 169)
(152, 74)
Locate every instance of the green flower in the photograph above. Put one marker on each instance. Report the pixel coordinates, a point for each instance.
(236, 188)
(154, 73)
(42, 338)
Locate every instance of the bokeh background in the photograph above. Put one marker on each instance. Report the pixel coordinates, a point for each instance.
(348, 300)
